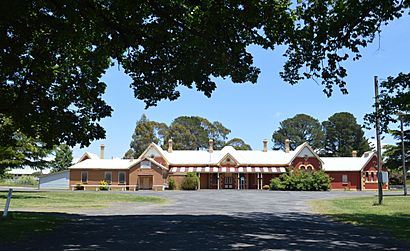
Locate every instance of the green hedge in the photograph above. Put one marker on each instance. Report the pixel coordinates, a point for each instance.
(190, 182)
(300, 180)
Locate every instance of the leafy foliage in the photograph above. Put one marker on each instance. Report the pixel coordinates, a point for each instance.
(103, 185)
(190, 182)
(193, 133)
(299, 129)
(17, 150)
(300, 180)
(394, 99)
(238, 144)
(187, 133)
(54, 53)
(171, 184)
(343, 135)
(145, 133)
(63, 158)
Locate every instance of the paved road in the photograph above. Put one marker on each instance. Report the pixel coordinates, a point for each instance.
(214, 220)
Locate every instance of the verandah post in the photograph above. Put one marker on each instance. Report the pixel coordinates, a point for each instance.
(6, 207)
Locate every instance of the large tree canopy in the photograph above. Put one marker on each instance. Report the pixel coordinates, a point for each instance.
(343, 135)
(53, 53)
(299, 129)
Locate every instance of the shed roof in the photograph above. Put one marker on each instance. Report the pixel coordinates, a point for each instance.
(346, 163)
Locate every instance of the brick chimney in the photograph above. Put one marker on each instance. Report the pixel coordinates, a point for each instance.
(170, 143)
(287, 147)
(354, 153)
(265, 145)
(102, 151)
(211, 145)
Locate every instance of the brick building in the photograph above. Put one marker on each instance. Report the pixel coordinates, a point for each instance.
(222, 169)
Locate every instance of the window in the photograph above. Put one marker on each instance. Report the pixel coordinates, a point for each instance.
(344, 178)
(108, 177)
(367, 176)
(84, 177)
(121, 177)
(372, 176)
(302, 167)
(146, 164)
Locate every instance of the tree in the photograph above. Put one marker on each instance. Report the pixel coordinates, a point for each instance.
(54, 52)
(343, 135)
(394, 99)
(299, 129)
(145, 133)
(63, 158)
(193, 133)
(238, 144)
(17, 150)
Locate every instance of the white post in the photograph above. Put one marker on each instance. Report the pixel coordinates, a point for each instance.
(218, 181)
(6, 207)
(261, 180)
(238, 181)
(199, 181)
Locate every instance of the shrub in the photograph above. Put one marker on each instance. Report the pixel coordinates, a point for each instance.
(27, 180)
(300, 180)
(266, 187)
(103, 185)
(171, 184)
(79, 186)
(190, 182)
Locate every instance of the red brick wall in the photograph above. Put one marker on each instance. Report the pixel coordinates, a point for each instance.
(353, 180)
(299, 161)
(154, 171)
(95, 176)
(371, 167)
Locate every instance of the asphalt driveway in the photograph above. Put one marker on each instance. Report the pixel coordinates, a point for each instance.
(214, 220)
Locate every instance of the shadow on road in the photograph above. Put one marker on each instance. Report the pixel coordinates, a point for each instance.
(293, 231)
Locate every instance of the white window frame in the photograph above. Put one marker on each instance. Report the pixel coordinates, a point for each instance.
(86, 172)
(105, 177)
(125, 178)
(345, 178)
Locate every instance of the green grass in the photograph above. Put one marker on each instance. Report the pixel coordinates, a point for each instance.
(20, 226)
(64, 201)
(393, 216)
(7, 183)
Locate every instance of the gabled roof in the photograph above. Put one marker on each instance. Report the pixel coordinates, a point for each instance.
(242, 157)
(88, 155)
(346, 163)
(303, 146)
(121, 164)
(157, 149)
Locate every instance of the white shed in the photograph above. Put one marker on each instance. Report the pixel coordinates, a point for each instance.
(59, 180)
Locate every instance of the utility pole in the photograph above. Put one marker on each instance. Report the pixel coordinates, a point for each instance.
(403, 156)
(379, 154)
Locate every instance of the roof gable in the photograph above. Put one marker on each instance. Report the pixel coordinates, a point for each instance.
(305, 150)
(152, 151)
(228, 159)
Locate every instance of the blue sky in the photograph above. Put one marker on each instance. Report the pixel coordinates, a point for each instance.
(253, 111)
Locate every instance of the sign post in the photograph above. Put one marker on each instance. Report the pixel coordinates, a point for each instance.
(6, 207)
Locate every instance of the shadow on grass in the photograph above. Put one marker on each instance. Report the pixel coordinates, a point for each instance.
(291, 231)
(17, 196)
(397, 224)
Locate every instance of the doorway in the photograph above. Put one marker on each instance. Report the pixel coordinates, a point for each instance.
(145, 182)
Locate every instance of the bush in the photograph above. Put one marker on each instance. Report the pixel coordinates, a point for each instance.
(300, 180)
(190, 182)
(27, 180)
(266, 187)
(171, 184)
(79, 186)
(103, 185)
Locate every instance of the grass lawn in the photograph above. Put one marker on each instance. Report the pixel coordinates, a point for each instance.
(63, 201)
(23, 225)
(393, 216)
(19, 226)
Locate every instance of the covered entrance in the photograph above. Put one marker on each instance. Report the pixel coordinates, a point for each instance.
(145, 182)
